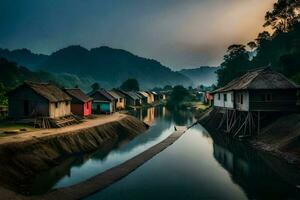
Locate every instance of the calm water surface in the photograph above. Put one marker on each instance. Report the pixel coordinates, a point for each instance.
(197, 166)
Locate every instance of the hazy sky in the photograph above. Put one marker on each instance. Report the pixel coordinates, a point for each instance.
(178, 33)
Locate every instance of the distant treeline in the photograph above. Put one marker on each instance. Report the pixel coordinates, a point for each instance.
(279, 50)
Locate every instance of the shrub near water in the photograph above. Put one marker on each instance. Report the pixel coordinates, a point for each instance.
(177, 97)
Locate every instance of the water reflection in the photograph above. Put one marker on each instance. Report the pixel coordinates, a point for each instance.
(205, 166)
(253, 173)
(82, 167)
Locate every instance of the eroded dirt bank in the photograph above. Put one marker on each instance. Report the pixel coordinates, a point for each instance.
(25, 156)
(280, 138)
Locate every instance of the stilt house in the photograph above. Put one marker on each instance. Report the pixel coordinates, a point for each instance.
(31, 100)
(81, 103)
(258, 90)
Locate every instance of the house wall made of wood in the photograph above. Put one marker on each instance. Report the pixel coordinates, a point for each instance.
(27, 103)
(102, 107)
(82, 109)
(224, 100)
(241, 99)
(59, 109)
(120, 104)
(273, 100)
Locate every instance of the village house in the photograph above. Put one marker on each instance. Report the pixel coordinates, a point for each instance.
(137, 99)
(261, 93)
(162, 96)
(144, 97)
(81, 103)
(129, 99)
(119, 99)
(155, 95)
(151, 98)
(103, 102)
(31, 100)
(258, 90)
(147, 96)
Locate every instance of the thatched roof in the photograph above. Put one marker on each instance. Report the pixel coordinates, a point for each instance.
(263, 78)
(78, 94)
(46, 90)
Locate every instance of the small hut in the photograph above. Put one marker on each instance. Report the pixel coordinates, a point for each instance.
(103, 102)
(149, 101)
(31, 100)
(151, 97)
(81, 103)
(144, 97)
(119, 99)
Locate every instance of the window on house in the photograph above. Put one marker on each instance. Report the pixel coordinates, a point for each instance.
(67, 103)
(225, 97)
(121, 100)
(268, 97)
(56, 105)
(241, 99)
(219, 96)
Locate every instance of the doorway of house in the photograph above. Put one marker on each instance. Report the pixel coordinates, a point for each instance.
(26, 107)
(98, 108)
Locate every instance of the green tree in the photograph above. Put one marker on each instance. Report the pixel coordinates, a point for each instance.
(95, 86)
(284, 15)
(3, 98)
(130, 85)
(178, 95)
(168, 87)
(236, 62)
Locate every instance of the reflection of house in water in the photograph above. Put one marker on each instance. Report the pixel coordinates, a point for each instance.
(149, 118)
(148, 115)
(250, 171)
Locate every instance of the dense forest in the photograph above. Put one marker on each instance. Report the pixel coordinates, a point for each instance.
(278, 49)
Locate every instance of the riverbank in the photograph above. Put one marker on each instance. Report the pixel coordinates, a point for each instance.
(25, 155)
(281, 138)
(114, 174)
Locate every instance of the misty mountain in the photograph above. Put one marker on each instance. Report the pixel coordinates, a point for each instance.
(23, 57)
(111, 67)
(204, 75)
(13, 75)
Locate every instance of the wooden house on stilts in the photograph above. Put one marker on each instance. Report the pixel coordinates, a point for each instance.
(244, 101)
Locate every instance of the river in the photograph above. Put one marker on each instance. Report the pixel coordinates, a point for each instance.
(200, 165)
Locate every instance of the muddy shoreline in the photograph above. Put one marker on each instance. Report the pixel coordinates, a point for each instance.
(280, 138)
(23, 158)
(275, 146)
